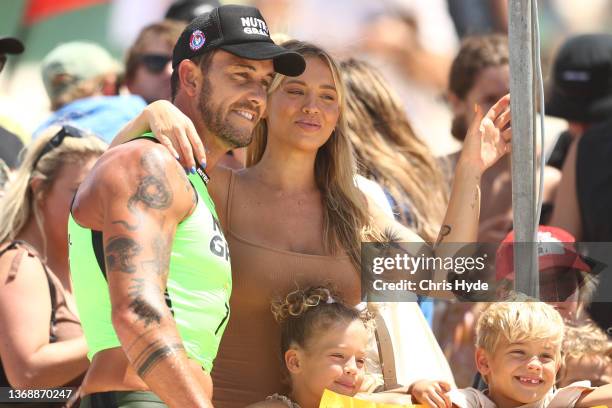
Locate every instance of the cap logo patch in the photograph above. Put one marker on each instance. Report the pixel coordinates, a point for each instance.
(197, 40)
(253, 25)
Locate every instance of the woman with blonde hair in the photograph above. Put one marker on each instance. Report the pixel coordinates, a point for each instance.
(294, 216)
(42, 342)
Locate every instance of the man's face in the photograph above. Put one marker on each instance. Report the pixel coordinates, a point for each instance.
(490, 85)
(233, 96)
(152, 76)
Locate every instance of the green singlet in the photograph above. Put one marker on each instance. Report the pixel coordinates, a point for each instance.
(198, 287)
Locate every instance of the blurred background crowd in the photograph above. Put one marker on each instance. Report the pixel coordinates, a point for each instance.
(98, 63)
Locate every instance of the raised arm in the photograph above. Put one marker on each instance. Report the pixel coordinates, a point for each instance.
(487, 140)
(144, 196)
(29, 359)
(168, 125)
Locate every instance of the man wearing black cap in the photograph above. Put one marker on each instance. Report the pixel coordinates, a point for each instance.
(582, 94)
(149, 262)
(581, 88)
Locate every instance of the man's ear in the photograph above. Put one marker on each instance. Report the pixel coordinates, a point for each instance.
(190, 77)
(293, 360)
(482, 362)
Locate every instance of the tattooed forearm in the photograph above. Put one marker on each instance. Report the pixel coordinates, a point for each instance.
(154, 354)
(140, 306)
(126, 225)
(153, 189)
(120, 252)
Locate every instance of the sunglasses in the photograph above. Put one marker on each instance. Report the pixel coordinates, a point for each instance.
(155, 63)
(58, 138)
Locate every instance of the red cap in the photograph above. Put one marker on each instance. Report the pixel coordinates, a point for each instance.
(555, 249)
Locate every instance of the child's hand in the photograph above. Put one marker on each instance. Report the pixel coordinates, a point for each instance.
(432, 394)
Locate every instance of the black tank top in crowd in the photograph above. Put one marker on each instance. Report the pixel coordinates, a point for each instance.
(594, 183)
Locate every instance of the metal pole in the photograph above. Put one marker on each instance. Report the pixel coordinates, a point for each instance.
(523, 149)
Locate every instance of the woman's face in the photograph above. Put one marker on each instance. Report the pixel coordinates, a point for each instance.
(55, 205)
(303, 111)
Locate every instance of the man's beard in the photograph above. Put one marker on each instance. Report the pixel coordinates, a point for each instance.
(216, 123)
(459, 127)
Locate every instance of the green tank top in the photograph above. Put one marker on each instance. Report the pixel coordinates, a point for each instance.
(198, 287)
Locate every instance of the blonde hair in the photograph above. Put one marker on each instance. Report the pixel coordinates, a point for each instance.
(18, 204)
(389, 151)
(586, 339)
(519, 322)
(345, 214)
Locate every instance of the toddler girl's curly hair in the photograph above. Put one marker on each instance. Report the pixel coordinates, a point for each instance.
(305, 312)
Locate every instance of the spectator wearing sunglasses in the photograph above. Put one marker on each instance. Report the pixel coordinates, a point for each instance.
(81, 79)
(42, 341)
(148, 67)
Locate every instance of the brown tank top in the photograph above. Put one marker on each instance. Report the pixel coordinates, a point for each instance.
(65, 324)
(249, 367)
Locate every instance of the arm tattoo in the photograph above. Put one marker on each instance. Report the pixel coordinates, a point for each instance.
(140, 306)
(120, 252)
(162, 250)
(153, 189)
(444, 231)
(153, 354)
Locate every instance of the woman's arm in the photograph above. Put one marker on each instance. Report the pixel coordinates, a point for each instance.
(487, 140)
(167, 123)
(29, 360)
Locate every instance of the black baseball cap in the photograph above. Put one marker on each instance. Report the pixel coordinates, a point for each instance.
(581, 88)
(239, 30)
(10, 45)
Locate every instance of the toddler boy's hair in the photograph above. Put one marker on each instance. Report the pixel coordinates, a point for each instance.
(519, 322)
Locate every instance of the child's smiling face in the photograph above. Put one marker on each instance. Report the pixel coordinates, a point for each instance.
(333, 359)
(519, 373)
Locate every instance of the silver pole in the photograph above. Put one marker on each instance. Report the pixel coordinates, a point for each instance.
(523, 149)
